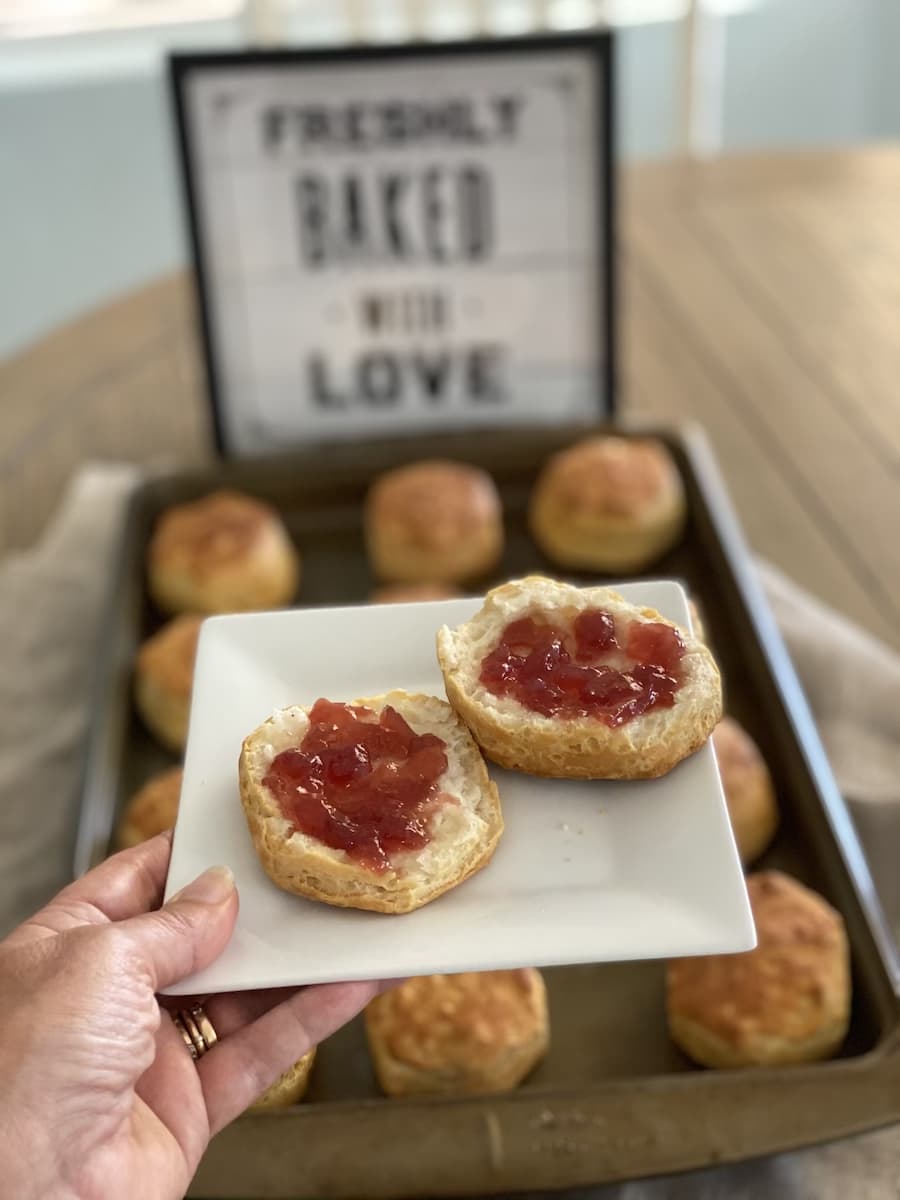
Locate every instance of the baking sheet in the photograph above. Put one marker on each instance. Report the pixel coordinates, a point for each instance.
(614, 1099)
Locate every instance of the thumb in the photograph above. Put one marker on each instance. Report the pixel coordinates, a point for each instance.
(190, 931)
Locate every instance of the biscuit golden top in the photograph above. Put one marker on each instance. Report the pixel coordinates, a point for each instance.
(793, 983)
(442, 1020)
(611, 476)
(432, 504)
(209, 533)
(153, 807)
(168, 656)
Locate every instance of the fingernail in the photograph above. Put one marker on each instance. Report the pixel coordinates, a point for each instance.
(212, 887)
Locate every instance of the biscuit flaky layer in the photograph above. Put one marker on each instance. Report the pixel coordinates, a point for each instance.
(164, 678)
(749, 792)
(787, 1001)
(471, 1033)
(152, 809)
(464, 830)
(574, 748)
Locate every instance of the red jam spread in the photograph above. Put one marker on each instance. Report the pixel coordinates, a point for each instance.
(595, 666)
(360, 781)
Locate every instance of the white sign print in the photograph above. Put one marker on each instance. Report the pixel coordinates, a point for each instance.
(396, 244)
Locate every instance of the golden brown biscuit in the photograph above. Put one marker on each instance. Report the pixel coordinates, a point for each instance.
(608, 504)
(289, 1088)
(462, 827)
(433, 522)
(151, 810)
(575, 746)
(748, 788)
(224, 553)
(459, 1034)
(787, 1001)
(164, 677)
(412, 593)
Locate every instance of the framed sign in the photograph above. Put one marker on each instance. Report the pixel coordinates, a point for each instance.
(389, 239)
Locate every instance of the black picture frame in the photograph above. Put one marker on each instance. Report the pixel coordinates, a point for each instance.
(597, 42)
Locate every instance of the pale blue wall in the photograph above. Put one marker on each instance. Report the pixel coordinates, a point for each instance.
(884, 67)
(798, 72)
(89, 207)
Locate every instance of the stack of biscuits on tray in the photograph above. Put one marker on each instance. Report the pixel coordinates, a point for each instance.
(546, 678)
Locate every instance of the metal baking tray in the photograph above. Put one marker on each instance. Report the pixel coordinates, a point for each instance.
(614, 1098)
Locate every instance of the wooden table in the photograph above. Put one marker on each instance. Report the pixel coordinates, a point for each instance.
(760, 296)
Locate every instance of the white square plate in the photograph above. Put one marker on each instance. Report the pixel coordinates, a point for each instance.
(585, 872)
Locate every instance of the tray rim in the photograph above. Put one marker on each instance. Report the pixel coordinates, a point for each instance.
(527, 1140)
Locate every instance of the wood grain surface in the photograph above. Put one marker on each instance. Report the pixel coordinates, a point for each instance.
(760, 296)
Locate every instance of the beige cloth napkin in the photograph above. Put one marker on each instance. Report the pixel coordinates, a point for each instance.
(51, 606)
(51, 603)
